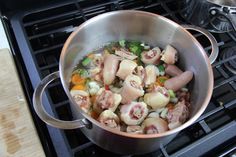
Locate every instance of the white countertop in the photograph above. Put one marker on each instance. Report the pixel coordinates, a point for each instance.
(3, 38)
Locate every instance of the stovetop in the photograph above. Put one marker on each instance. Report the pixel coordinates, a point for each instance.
(37, 36)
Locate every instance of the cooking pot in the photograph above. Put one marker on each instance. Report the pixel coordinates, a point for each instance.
(130, 25)
(215, 15)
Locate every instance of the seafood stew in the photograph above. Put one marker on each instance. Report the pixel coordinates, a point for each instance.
(133, 87)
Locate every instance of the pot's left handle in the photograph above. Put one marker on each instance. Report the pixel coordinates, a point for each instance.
(41, 112)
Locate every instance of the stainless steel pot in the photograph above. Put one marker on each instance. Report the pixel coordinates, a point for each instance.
(130, 25)
(215, 15)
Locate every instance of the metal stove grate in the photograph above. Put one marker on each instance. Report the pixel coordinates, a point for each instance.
(40, 35)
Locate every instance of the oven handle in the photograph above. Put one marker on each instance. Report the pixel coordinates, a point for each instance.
(210, 37)
(42, 113)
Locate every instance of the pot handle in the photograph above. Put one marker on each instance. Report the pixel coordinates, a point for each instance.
(44, 116)
(210, 37)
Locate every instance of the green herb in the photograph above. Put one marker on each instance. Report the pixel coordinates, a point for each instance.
(135, 47)
(82, 72)
(86, 61)
(122, 43)
(171, 93)
(161, 68)
(162, 80)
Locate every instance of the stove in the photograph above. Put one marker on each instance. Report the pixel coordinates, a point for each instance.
(37, 36)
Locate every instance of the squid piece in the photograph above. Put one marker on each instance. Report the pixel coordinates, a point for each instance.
(133, 113)
(134, 129)
(151, 56)
(177, 82)
(178, 115)
(126, 68)
(82, 99)
(132, 89)
(150, 74)
(158, 99)
(172, 70)
(125, 54)
(110, 119)
(106, 100)
(111, 63)
(169, 55)
(154, 125)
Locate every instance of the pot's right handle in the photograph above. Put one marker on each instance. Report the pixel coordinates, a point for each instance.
(211, 38)
(41, 112)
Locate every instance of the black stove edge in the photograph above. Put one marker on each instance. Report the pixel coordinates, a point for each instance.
(42, 129)
(199, 147)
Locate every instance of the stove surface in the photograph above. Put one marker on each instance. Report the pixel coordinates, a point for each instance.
(37, 37)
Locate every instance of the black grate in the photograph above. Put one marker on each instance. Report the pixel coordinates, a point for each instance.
(47, 29)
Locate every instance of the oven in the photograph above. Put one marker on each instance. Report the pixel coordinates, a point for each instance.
(36, 34)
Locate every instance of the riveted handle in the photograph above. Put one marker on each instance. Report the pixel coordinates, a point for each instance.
(210, 37)
(42, 113)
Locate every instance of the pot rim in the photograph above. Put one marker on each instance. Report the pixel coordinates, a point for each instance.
(95, 122)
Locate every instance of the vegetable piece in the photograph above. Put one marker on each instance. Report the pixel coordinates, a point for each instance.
(172, 70)
(110, 119)
(86, 61)
(171, 93)
(106, 100)
(77, 79)
(134, 129)
(79, 87)
(132, 89)
(122, 43)
(154, 125)
(177, 82)
(150, 74)
(157, 99)
(126, 68)
(135, 47)
(178, 115)
(125, 54)
(133, 113)
(93, 87)
(152, 56)
(160, 70)
(110, 68)
(161, 80)
(169, 55)
(82, 99)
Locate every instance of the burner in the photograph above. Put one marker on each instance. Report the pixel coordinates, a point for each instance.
(230, 65)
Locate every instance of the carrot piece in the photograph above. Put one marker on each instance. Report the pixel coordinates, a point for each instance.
(161, 80)
(91, 55)
(79, 87)
(170, 106)
(94, 114)
(77, 79)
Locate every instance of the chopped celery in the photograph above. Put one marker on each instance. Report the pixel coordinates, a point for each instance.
(135, 48)
(122, 43)
(86, 61)
(82, 72)
(171, 93)
(161, 68)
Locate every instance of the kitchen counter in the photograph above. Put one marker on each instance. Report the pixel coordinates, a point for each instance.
(18, 136)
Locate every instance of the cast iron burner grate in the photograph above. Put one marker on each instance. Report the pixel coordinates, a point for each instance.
(228, 53)
(40, 34)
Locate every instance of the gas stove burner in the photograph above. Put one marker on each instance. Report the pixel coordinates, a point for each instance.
(230, 65)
